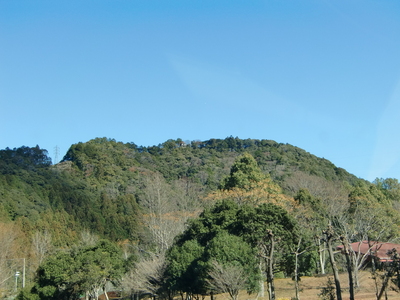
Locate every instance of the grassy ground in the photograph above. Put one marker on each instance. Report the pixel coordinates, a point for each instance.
(312, 286)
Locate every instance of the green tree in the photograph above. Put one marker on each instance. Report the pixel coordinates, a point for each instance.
(227, 253)
(389, 186)
(266, 228)
(69, 274)
(183, 272)
(97, 265)
(227, 229)
(244, 172)
(211, 221)
(55, 278)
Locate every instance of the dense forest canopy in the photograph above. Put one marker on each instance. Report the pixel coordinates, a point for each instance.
(157, 202)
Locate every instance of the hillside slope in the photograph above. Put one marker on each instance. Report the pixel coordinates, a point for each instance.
(99, 183)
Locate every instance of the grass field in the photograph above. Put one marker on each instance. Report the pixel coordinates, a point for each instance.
(312, 286)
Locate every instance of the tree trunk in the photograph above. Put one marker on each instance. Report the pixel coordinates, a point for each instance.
(391, 270)
(321, 252)
(262, 289)
(270, 268)
(105, 291)
(349, 264)
(329, 236)
(296, 269)
(374, 276)
(356, 275)
(384, 287)
(234, 295)
(296, 276)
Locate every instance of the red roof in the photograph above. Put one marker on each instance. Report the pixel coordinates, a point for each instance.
(378, 249)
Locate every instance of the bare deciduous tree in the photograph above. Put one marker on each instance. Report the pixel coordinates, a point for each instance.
(41, 244)
(88, 238)
(147, 275)
(227, 278)
(163, 218)
(187, 195)
(296, 276)
(9, 256)
(363, 225)
(333, 195)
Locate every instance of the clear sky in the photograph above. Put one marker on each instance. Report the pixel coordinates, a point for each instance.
(323, 75)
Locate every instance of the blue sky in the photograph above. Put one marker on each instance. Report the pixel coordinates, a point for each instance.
(322, 75)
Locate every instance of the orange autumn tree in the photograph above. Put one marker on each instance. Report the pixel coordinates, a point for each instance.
(246, 184)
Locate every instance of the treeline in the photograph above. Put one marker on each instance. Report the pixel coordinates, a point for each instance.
(142, 198)
(205, 162)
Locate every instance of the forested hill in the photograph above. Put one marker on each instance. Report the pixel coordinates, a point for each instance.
(100, 184)
(143, 197)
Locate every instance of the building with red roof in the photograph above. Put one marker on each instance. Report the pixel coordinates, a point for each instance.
(380, 250)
